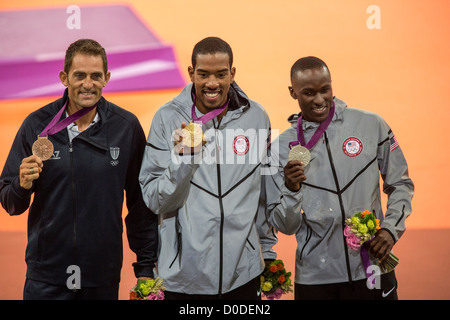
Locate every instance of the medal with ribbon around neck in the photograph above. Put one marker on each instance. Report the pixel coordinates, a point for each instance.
(299, 149)
(193, 133)
(43, 147)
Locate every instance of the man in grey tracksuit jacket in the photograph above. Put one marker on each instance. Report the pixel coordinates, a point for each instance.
(342, 178)
(209, 229)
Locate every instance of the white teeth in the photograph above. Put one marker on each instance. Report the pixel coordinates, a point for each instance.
(211, 95)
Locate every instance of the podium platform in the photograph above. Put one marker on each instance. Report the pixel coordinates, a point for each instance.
(33, 45)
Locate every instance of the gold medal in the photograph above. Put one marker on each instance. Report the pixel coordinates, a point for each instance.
(193, 135)
(43, 148)
(301, 154)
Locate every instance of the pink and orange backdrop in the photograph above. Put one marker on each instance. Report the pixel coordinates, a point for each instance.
(399, 69)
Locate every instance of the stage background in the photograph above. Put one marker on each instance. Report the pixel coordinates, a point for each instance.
(398, 71)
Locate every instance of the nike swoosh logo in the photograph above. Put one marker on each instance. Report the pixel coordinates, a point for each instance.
(384, 295)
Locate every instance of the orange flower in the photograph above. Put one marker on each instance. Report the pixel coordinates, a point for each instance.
(378, 223)
(363, 214)
(134, 296)
(281, 279)
(280, 267)
(273, 268)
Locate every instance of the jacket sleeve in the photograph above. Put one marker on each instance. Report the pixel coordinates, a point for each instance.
(283, 206)
(396, 183)
(141, 223)
(15, 199)
(165, 176)
(267, 233)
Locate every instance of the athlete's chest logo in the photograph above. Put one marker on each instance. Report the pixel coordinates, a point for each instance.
(114, 152)
(241, 145)
(352, 147)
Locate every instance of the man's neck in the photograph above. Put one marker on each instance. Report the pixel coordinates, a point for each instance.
(83, 122)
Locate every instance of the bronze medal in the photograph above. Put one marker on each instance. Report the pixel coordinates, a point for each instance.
(301, 154)
(193, 135)
(43, 148)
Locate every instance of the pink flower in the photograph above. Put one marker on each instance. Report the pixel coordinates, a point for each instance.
(152, 296)
(156, 296)
(352, 240)
(161, 295)
(275, 295)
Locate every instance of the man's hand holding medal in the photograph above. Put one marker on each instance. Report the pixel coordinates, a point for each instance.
(189, 140)
(30, 169)
(294, 173)
(299, 154)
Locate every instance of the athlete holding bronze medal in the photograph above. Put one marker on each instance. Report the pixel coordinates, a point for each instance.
(43, 147)
(92, 150)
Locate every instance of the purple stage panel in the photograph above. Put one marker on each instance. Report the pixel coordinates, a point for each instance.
(33, 45)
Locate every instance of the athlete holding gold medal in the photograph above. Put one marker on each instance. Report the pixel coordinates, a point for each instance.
(207, 203)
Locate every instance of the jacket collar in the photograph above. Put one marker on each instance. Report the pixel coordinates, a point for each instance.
(239, 101)
(340, 107)
(97, 134)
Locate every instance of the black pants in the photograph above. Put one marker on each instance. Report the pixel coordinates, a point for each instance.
(249, 291)
(36, 290)
(349, 291)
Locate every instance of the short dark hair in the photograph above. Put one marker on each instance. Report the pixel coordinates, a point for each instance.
(84, 46)
(307, 63)
(211, 45)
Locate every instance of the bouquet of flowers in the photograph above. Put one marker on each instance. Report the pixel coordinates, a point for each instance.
(151, 289)
(275, 281)
(360, 229)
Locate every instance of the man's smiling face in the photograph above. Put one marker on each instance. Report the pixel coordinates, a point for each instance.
(312, 88)
(85, 80)
(212, 78)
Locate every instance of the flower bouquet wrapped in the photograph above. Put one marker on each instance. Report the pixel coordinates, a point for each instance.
(359, 230)
(151, 289)
(275, 281)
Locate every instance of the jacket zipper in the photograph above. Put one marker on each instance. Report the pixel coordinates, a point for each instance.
(74, 209)
(308, 237)
(341, 203)
(221, 230)
(219, 190)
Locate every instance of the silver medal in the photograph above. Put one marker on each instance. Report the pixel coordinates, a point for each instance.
(301, 154)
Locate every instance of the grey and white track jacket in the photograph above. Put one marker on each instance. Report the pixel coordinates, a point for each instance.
(342, 178)
(210, 231)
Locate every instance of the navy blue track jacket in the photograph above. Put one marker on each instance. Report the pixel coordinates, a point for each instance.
(76, 214)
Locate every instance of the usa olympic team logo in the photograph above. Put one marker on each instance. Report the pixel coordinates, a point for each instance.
(352, 147)
(240, 145)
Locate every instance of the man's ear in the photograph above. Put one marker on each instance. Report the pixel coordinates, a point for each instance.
(292, 93)
(107, 77)
(191, 73)
(233, 73)
(64, 79)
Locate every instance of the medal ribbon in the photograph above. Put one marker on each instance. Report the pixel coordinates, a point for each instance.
(208, 116)
(366, 262)
(316, 136)
(54, 126)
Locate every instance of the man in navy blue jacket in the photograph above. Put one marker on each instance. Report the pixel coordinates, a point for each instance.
(75, 224)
